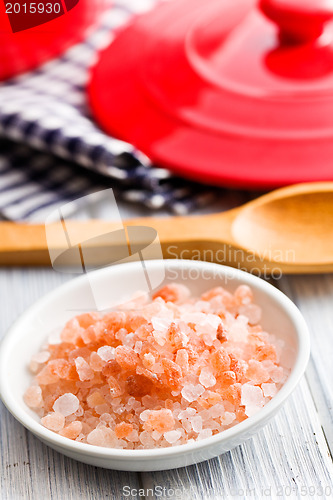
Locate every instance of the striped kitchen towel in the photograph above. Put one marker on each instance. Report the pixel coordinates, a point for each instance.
(51, 151)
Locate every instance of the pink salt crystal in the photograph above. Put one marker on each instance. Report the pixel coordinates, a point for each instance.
(269, 390)
(251, 410)
(71, 332)
(216, 410)
(46, 377)
(173, 293)
(66, 404)
(189, 412)
(192, 392)
(277, 374)
(146, 439)
(41, 357)
(126, 357)
(252, 396)
(106, 353)
(148, 360)
(79, 412)
(256, 372)
(83, 369)
(160, 421)
(156, 435)
(134, 436)
(115, 389)
(107, 418)
(89, 335)
(138, 347)
(96, 362)
(205, 433)
(72, 430)
(103, 436)
(243, 294)
(228, 418)
(95, 399)
(100, 409)
(172, 436)
(182, 360)
(33, 397)
(158, 368)
(53, 421)
(207, 378)
(252, 312)
(196, 423)
(123, 430)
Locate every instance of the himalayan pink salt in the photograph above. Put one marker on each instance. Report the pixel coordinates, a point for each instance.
(172, 372)
(71, 431)
(148, 360)
(243, 295)
(103, 436)
(160, 421)
(66, 404)
(189, 412)
(252, 312)
(162, 373)
(33, 397)
(252, 395)
(196, 423)
(207, 378)
(269, 390)
(205, 433)
(228, 418)
(192, 392)
(106, 353)
(216, 410)
(172, 436)
(126, 357)
(53, 421)
(123, 430)
(173, 293)
(95, 399)
(182, 360)
(83, 369)
(256, 372)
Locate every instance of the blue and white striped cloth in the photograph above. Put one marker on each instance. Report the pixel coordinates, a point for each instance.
(47, 136)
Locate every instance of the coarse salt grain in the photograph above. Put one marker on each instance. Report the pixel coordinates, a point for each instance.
(207, 378)
(192, 392)
(269, 390)
(252, 395)
(66, 404)
(106, 353)
(172, 436)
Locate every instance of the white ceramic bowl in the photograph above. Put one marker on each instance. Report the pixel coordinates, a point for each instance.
(280, 317)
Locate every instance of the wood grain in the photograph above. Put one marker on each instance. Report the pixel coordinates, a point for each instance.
(314, 297)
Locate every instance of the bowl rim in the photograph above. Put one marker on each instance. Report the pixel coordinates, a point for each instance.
(302, 357)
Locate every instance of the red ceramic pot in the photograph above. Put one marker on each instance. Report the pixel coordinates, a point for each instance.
(33, 32)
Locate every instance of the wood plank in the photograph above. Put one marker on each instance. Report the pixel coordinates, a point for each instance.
(314, 297)
(31, 470)
(289, 458)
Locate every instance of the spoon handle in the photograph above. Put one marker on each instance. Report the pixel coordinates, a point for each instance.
(182, 237)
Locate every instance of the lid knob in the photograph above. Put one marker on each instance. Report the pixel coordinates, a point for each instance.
(300, 21)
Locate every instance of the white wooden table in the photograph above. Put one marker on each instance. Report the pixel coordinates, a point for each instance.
(291, 458)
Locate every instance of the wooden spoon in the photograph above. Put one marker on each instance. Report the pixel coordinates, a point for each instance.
(289, 230)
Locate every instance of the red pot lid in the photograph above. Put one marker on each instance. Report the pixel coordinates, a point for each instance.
(229, 92)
